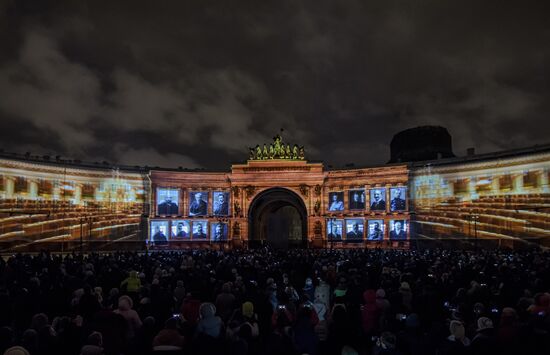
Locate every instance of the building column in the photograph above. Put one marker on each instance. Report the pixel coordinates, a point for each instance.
(388, 200)
(495, 185)
(56, 191)
(33, 189)
(184, 202)
(77, 194)
(10, 186)
(517, 182)
(97, 193)
(542, 180)
(450, 188)
(472, 188)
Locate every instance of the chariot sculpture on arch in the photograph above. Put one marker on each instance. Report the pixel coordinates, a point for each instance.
(277, 150)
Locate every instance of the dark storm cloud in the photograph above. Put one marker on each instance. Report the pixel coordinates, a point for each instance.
(193, 84)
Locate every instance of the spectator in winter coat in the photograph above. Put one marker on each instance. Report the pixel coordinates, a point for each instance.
(132, 283)
(225, 301)
(305, 339)
(541, 306)
(133, 321)
(209, 324)
(381, 301)
(370, 313)
(179, 293)
(169, 338)
(457, 343)
(484, 341)
(309, 289)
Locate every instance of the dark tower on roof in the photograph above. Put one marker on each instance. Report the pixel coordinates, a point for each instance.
(421, 143)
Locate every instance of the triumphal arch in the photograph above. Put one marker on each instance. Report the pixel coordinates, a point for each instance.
(278, 198)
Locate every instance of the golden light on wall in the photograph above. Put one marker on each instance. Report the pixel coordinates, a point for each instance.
(508, 198)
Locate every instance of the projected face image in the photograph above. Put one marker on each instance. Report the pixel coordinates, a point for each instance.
(199, 204)
(354, 230)
(376, 230)
(398, 230)
(221, 203)
(377, 199)
(356, 199)
(159, 231)
(181, 229)
(398, 202)
(336, 201)
(167, 201)
(199, 229)
(334, 229)
(219, 232)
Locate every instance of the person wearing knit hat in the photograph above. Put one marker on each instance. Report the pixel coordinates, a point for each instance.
(381, 301)
(169, 338)
(484, 323)
(248, 309)
(209, 324)
(131, 317)
(250, 318)
(16, 350)
(457, 342)
(405, 286)
(457, 330)
(484, 341)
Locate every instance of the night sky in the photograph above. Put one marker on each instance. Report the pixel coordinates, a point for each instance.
(194, 83)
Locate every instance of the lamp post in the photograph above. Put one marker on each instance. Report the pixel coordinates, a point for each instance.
(89, 220)
(81, 232)
(476, 217)
(473, 217)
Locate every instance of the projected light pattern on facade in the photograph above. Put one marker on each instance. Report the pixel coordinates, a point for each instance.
(276, 200)
(54, 207)
(505, 198)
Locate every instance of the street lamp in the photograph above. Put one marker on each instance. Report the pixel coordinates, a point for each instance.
(473, 217)
(90, 222)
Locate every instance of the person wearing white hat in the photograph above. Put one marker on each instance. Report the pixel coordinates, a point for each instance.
(484, 340)
(457, 342)
(16, 350)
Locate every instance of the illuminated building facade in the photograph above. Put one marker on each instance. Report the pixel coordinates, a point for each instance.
(64, 206)
(278, 198)
(502, 197)
(282, 202)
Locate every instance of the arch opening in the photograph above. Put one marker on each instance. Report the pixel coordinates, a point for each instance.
(278, 218)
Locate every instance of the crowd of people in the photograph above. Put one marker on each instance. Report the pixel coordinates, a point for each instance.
(277, 302)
